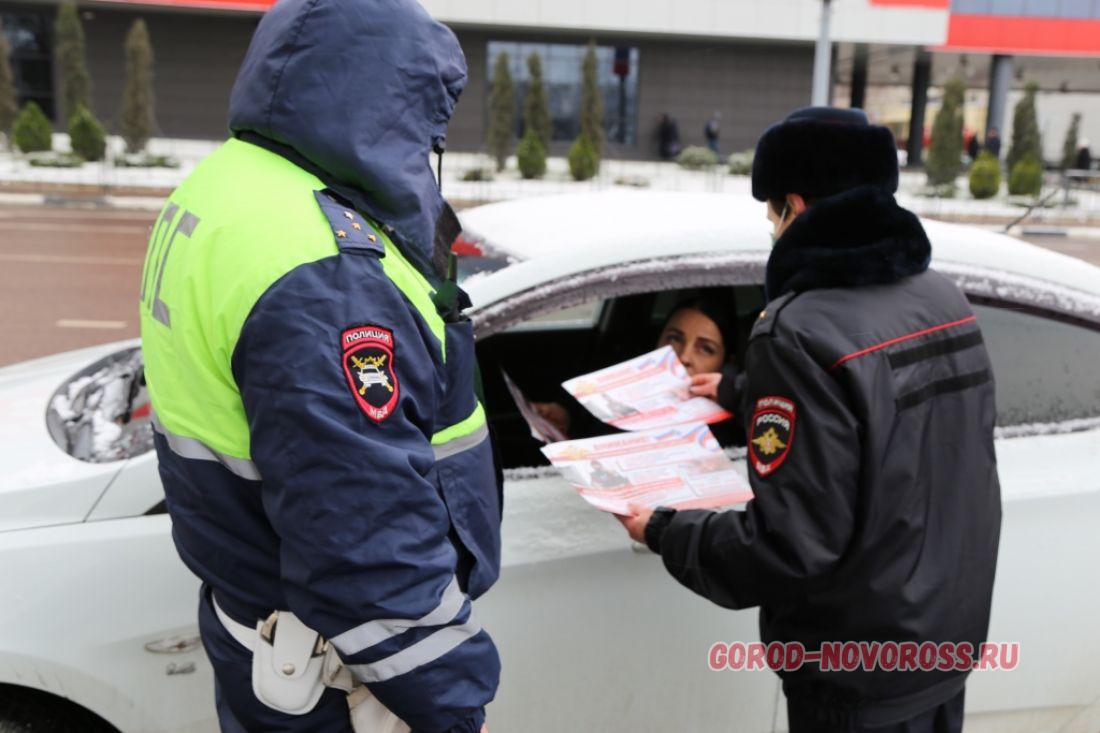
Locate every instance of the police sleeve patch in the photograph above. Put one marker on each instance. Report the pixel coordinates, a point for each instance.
(771, 433)
(369, 368)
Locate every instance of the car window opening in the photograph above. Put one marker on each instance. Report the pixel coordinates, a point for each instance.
(543, 351)
(1045, 369)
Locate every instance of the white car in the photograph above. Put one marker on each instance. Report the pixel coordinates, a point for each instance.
(97, 613)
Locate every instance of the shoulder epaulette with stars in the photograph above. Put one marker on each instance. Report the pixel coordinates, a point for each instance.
(351, 229)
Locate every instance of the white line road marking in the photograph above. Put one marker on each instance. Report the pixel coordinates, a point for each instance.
(35, 215)
(95, 325)
(76, 228)
(70, 260)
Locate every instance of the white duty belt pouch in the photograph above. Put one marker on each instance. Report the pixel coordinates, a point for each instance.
(292, 665)
(288, 663)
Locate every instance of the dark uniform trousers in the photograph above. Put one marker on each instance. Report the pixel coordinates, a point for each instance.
(947, 717)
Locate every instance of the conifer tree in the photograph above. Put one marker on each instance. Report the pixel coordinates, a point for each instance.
(501, 112)
(32, 132)
(945, 154)
(138, 119)
(72, 63)
(592, 102)
(9, 106)
(1026, 142)
(536, 108)
(1069, 147)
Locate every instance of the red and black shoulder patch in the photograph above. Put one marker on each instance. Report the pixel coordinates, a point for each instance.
(368, 364)
(771, 433)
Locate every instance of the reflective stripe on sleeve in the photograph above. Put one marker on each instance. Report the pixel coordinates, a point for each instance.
(196, 450)
(458, 445)
(424, 651)
(370, 633)
(460, 437)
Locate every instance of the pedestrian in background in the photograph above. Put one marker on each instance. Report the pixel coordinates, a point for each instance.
(713, 130)
(668, 137)
(993, 142)
(1084, 156)
(973, 147)
(869, 409)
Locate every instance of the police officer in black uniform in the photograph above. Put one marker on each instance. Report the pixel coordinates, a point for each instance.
(869, 408)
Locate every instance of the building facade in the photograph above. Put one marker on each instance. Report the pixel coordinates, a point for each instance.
(751, 62)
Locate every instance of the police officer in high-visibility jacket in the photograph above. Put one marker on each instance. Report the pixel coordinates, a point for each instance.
(326, 461)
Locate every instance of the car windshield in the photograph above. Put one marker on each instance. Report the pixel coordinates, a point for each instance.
(470, 266)
(476, 257)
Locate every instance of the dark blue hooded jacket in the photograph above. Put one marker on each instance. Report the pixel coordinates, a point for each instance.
(341, 466)
(363, 91)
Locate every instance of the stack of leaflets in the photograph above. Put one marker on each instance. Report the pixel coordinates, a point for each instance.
(669, 457)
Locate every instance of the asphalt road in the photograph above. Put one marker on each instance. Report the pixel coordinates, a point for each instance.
(1085, 249)
(70, 277)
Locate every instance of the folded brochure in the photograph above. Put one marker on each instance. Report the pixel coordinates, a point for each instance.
(649, 391)
(681, 466)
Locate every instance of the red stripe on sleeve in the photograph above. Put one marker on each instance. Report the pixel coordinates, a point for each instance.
(900, 339)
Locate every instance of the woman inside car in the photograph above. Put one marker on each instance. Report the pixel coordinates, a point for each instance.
(702, 330)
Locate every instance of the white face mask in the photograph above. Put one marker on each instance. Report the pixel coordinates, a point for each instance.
(782, 218)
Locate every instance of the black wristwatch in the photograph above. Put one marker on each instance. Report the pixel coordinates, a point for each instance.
(656, 527)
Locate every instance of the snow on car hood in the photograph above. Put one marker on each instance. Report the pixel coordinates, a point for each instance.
(41, 484)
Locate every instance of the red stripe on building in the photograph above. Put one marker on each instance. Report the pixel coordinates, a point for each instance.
(1015, 34)
(900, 339)
(937, 4)
(255, 6)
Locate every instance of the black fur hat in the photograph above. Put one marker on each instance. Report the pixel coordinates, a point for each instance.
(821, 151)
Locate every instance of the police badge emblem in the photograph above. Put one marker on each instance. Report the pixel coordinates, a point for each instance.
(369, 368)
(771, 431)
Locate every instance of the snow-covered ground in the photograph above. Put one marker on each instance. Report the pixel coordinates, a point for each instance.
(508, 184)
(15, 168)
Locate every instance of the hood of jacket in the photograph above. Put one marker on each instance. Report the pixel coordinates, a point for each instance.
(362, 91)
(858, 237)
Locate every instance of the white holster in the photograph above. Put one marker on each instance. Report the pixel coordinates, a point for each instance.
(292, 665)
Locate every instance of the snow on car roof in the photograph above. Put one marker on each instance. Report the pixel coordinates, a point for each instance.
(559, 236)
(619, 220)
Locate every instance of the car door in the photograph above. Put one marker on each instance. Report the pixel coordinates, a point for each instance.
(98, 610)
(566, 566)
(102, 614)
(593, 633)
(1045, 349)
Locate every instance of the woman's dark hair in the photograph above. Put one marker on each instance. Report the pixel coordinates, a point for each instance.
(720, 306)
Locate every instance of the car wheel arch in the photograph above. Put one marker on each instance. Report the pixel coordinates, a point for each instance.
(25, 704)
